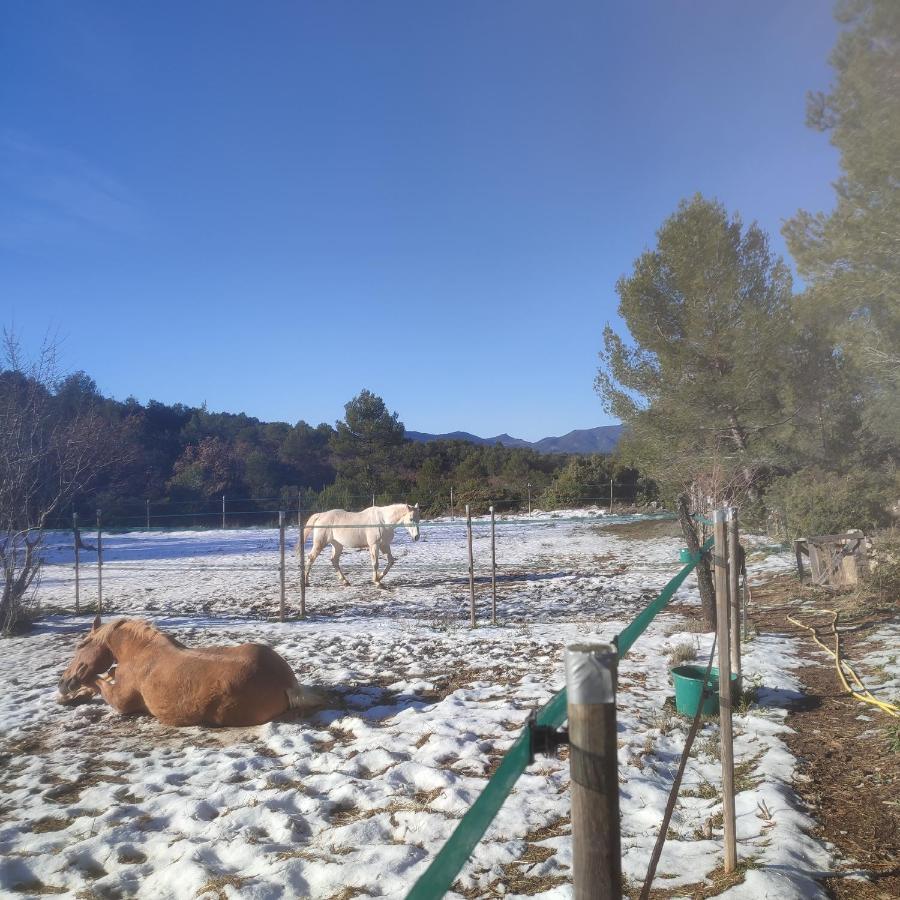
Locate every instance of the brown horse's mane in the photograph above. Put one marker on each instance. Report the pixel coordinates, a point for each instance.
(139, 630)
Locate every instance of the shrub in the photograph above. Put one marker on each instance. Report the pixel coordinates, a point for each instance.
(811, 502)
(882, 584)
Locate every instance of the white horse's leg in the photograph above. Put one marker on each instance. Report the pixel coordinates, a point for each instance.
(317, 548)
(373, 555)
(336, 561)
(390, 562)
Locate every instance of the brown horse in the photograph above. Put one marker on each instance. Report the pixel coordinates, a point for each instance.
(245, 685)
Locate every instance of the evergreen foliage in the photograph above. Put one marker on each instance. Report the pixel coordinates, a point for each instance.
(812, 502)
(849, 258)
(183, 459)
(706, 386)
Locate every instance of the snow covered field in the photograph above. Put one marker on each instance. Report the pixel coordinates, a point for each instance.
(356, 800)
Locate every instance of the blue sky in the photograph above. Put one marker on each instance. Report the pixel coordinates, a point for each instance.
(269, 206)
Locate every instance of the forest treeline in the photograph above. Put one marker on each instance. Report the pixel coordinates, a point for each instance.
(183, 459)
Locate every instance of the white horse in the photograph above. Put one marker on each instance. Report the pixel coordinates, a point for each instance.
(372, 528)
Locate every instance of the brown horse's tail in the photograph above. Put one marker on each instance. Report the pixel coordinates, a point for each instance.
(305, 698)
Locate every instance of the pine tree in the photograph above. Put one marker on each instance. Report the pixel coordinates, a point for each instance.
(705, 384)
(850, 258)
(366, 443)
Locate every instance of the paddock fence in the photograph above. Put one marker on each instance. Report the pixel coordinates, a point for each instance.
(594, 765)
(236, 511)
(587, 703)
(99, 556)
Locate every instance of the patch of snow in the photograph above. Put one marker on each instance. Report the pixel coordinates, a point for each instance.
(363, 794)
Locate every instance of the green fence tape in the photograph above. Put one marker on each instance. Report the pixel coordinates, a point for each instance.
(442, 872)
(554, 712)
(632, 632)
(438, 878)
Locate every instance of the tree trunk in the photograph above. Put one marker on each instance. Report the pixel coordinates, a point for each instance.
(740, 444)
(704, 576)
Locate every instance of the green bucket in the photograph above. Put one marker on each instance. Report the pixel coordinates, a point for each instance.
(689, 686)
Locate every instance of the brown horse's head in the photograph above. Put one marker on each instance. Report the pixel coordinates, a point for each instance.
(92, 658)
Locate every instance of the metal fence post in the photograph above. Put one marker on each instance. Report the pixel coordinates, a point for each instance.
(77, 586)
(471, 566)
(99, 567)
(493, 570)
(734, 592)
(591, 672)
(723, 635)
(148, 515)
(281, 563)
(529, 498)
(302, 546)
(223, 511)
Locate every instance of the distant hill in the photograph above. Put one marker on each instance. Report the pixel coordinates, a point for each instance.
(602, 439)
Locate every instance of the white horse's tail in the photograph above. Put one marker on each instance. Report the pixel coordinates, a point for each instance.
(307, 531)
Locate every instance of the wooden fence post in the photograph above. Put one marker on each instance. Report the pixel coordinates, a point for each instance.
(725, 732)
(493, 571)
(734, 592)
(99, 567)
(281, 563)
(302, 546)
(591, 672)
(77, 586)
(471, 566)
(798, 553)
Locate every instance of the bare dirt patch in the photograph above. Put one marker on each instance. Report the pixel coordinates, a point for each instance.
(642, 529)
(849, 773)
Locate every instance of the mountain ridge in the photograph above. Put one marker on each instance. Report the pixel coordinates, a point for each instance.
(602, 439)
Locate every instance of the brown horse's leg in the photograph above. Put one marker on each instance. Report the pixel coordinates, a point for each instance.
(121, 695)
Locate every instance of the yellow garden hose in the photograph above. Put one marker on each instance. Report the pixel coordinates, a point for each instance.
(863, 694)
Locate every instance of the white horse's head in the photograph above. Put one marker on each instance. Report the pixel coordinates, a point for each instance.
(411, 521)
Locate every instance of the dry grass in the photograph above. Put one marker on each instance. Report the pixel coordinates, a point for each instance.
(717, 883)
(50, 823)
(516, 877)
(706, 790)
(348, 893)
(37, 887)
(218, 885)
(682, 653)
(744, 779)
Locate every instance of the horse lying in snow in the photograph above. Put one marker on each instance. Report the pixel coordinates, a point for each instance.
(241, 685)
(373, 528)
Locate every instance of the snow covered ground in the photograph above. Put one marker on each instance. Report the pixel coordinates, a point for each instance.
(356, 800)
